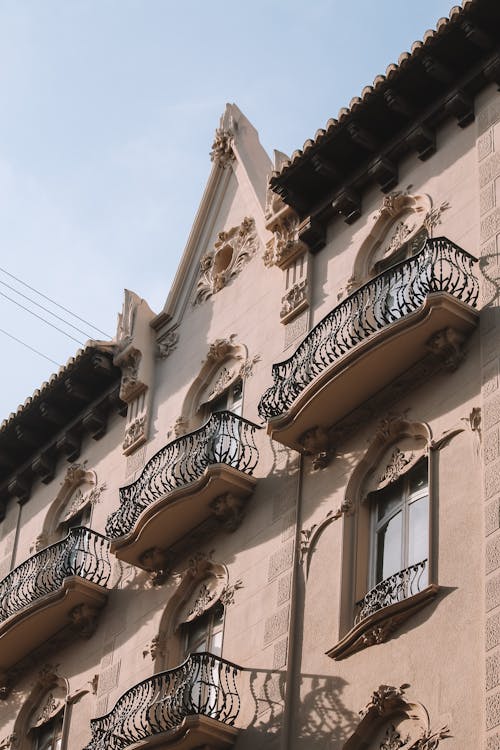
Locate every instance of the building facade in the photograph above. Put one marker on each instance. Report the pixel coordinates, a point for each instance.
(268, 516)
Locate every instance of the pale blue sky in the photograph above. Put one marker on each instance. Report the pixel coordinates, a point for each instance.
(108, 113)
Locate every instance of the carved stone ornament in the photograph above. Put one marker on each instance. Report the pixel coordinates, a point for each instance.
(285, 243)
(385, 699)
(154, 648)
(396, 466)
(135, 433)
(84, 619)
(379, 633)
(224, 379)
(158, 563)
(167, 342)
(180, 426)
(5, 685)
(447, 345)
(316, 443)
(246, 369)
(80, 500)
(130, 385)
(228, 592)
(50, 708)
(402, 225)
(295, 300)
(9, 742)
(309, 535)
(199, 564)
(392, 740)
(231, 251)
(219, 350)
(228, 510)
(75, 473)
(202, 602)
(222, 148)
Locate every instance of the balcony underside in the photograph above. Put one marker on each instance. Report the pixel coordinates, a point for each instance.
(193, 732)
(35, 624)
(377, 627)
(369, 367)
(171, 518)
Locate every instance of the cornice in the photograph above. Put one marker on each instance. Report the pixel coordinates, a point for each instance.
(399, 114)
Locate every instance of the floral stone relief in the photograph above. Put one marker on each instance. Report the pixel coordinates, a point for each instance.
(231, 251)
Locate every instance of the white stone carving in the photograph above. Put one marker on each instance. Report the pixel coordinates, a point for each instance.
(222, 148)
(168, 342)
(231, 251)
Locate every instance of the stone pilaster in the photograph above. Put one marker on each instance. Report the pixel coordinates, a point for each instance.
(488, 155)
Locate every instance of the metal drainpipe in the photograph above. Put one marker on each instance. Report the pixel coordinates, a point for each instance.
(291, 666)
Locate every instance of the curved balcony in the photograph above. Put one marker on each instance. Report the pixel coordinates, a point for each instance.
(205, 473)
(424, 303)
(192, 706)
(385, 607)
(60, 585)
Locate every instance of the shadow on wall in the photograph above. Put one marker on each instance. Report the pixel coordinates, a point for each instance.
(322, 720)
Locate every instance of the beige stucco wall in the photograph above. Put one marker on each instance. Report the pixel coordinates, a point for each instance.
(440, 650)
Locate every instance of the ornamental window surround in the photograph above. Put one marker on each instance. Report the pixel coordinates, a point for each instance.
(389, 559)
(400, 522)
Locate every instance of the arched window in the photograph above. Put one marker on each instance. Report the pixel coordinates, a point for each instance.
(41, 720)
(205, 632)
(72, 505)
(400, 524)
(193, 620)
(48, 736)
(389, 565)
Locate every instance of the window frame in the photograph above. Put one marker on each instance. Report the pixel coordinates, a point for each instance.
(373, 472)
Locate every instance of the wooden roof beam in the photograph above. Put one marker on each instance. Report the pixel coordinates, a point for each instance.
(398, 103)
(436, 70)
(348, 203)
(45, 466)
(385, 173)
(461, 106)
(423, 140)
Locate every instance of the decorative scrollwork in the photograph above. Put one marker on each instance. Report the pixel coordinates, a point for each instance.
(224, 439)
(204, 685)
(396, 588)
(82, 553)
(441, 266)
(231, 251)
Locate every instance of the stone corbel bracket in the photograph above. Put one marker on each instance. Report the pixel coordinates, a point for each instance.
(317, 443)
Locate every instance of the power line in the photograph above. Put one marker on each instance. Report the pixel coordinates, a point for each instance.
(46, 309)
(42, 319)
(49, 299)
(29, 347)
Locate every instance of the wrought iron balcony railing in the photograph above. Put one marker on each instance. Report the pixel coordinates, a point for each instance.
(441, 266)
(204, 685)
(224, 439)
(82, 553)
(396, 588)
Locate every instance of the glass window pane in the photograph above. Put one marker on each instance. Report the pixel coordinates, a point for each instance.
(389, 548)
(418, 477)
(418, 531)
(388, 500)
(216, 644)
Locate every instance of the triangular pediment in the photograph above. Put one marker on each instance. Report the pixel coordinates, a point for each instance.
(229, 227)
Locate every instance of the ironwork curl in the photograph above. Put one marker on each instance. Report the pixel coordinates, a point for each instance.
(224, 439)
(441, 266)
(82, 553)
(396, 588)
(204, 685)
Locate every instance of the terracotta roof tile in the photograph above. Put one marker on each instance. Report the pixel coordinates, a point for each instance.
(392, 69)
